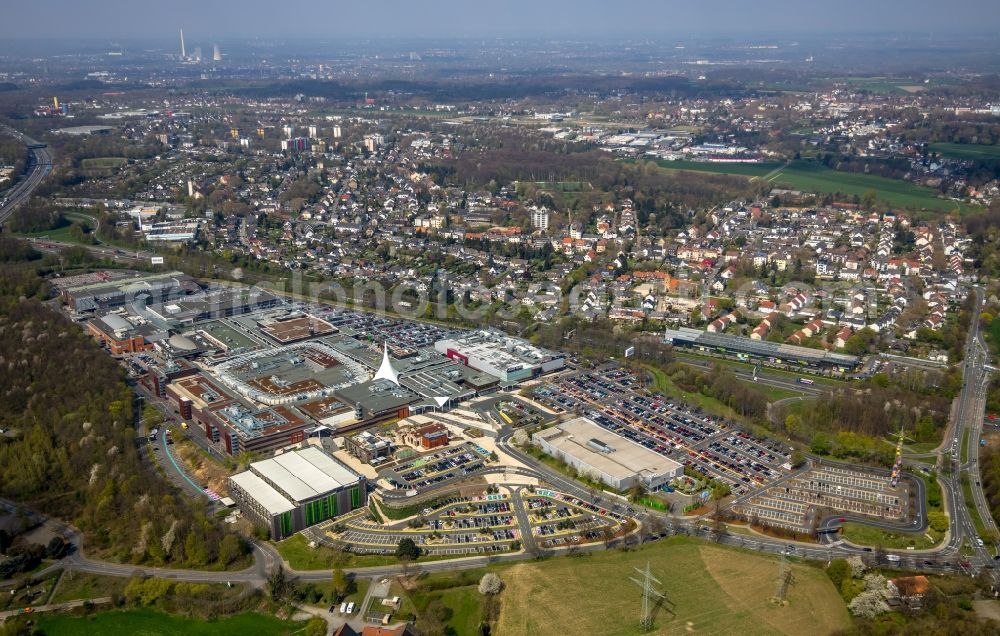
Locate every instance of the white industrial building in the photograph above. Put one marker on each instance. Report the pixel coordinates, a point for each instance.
(601, 455)
(494, 352)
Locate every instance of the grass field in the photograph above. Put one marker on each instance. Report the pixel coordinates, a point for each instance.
(103, 162)
(76, 585)
(742, 169)
(715, 590)
(967, 151)
(860, 534)
(663, 384)
(143, 622)
(812, 177)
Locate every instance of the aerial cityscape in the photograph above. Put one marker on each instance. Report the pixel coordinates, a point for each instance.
(452, 319)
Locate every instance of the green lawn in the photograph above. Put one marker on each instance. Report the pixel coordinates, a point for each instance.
(742, 169)
(666, 386)
(77, 585)
(774, 393)
(861, 534)
(300, 556)
(809, 176)
(145, 622)
(967, 151)
(965, 446)
(813, 177)
(463, 601)
(103, 162)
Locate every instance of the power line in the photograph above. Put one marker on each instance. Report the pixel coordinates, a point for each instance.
(652, 599)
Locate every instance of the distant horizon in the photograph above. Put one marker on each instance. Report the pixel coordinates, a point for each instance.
(515, 19)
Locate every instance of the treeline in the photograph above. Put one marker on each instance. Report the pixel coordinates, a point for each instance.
(36, 215)
(12, 153)
(984, 229)
(720, 383)
(849, 423)
(652, 189)
(72, 452)
(990, 464)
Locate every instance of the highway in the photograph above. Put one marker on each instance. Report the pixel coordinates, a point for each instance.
(969, 418)
(39, 165)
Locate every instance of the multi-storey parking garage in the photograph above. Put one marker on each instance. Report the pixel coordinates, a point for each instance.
(796, 503)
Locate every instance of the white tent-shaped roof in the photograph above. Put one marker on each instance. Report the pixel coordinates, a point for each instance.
(387, 371)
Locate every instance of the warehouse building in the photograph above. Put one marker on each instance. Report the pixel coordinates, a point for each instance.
(510, 359)
(600, 454)
(297, 489)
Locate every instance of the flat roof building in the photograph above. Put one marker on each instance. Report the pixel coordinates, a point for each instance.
(494, 352)
(297, 489)
(606, 457)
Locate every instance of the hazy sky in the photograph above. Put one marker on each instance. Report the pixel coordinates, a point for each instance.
(156, 19)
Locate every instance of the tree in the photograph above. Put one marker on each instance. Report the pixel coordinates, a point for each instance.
(838, 570)
(341, 584)
(56, 548)
(868, 199)
(868, 604)
(433, 621)
(938, 521)
(315, 627)
(278, 585)
(407, 550)
(490, 584)
(230, 549)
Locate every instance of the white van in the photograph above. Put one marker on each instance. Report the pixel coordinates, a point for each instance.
(350, 608)
(894, 558)
(343, 607)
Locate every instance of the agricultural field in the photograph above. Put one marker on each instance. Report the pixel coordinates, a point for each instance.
(742, 169)
(812, 177)
(152, 623)
(715, 590)
(967, 151)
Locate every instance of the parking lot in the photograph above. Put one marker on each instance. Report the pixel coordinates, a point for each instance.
(486, 523)
(454, 462)
(402, 333)
(616, 400)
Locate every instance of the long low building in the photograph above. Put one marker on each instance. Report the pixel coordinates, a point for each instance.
(600, 454)
(772, 352)
(297, 489)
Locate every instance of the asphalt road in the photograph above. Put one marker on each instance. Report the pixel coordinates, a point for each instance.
(39, 165)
